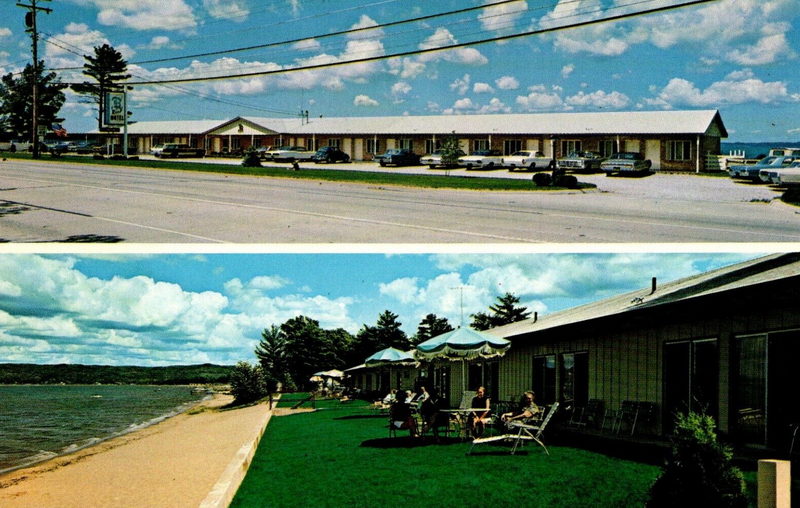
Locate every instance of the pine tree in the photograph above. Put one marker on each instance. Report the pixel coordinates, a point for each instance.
(504, 312)
(16, 100)
(108, 69)
(431, 326)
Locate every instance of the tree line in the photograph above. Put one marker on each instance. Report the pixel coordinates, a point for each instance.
(289, 354)
(17, 373)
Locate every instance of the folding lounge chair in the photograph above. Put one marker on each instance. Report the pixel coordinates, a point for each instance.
(524, 432)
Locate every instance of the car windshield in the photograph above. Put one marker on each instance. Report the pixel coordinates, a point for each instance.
(626, 155)
(393, 152)
(522, 153)
(767, 160)
(481, 152)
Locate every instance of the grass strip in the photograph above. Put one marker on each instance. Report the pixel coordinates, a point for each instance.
(430, 181)
(341, 455)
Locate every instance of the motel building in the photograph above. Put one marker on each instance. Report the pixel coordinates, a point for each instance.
(671, 140)
(725, 342)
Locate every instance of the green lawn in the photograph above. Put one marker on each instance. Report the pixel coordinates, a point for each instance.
(341, 455)
(432, 180)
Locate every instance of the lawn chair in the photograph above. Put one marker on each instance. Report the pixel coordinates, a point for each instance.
(525, 431)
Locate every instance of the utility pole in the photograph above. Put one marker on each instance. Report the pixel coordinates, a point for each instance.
(30, 24)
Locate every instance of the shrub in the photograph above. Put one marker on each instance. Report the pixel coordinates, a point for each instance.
(542, 179)
(247, 383)
(699, 471)
(251, 159)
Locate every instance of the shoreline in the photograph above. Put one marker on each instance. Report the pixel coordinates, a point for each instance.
(73, 448)
(175, 462)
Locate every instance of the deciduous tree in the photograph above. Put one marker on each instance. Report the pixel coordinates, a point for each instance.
(16, 100)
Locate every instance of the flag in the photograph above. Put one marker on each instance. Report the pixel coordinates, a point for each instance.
(59, 130)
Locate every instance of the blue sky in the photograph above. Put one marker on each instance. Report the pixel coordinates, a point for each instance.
(161, 309)
(738, 56)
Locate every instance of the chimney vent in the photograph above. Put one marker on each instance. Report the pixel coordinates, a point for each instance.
(653, 286)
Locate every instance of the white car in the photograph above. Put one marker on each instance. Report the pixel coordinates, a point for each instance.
(527, 159)
(482, 159)
(434, 159)
(156, 150)
(290, 154)
(789, 176)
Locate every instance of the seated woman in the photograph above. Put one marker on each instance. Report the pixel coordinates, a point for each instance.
(479, 419)
(428, 409)
(400, 416)
(527, 409)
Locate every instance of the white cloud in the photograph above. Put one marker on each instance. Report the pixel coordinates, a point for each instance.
(737, 88)
(365, 101)
(502, 18)
(146, 14)
(599, 99)
(442, 37)
(482, 88)
(507, 83)
(234, 10)
(307, 45)
(5, 32)
(567, 70)
(461, 85)
(401, 88)
(767, 50)
(160, 41)
(541, 99)
(495, 106)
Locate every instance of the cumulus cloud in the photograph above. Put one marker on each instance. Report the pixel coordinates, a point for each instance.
(5, 32)
(365, 101)
(441, 38)
(502, 18)
(146, 14)
(50, 312)
(736, 88)
(599, 99)
(540, 98)
(234, 10)
(507, 83)
(567, 70)
(482, 88)
(307, 45)
(461, 85)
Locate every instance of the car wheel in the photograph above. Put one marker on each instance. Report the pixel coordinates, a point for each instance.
(383, 164)
(490, 165)
(532, 167)
(432, 166)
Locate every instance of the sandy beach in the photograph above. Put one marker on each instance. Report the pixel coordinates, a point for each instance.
(175, 463)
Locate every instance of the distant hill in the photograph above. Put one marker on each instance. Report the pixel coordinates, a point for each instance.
(18, 373)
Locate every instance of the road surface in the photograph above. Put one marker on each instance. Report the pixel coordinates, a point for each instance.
(55, 201)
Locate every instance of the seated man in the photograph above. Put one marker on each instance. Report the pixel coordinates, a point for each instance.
(400, 416)
(479, 419)
(527, 409)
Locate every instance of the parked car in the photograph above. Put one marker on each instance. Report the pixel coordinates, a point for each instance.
(626, 163)
(290, 154)
(482, 159)
(330, 154)
(263, 152)
(61, 147)
(751, 171)
(156, 150)
(180, 150)
(14, 146)
(84, 147)
(581, 161)
(434, 159)
(527, 159)
(785, 177)
(398, 157)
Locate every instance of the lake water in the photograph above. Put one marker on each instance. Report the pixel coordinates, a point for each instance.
(41, 422)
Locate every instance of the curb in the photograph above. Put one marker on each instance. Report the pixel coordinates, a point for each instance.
(224, 490)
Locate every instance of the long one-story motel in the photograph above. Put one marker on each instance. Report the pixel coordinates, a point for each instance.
(725, 342)
(671, 140)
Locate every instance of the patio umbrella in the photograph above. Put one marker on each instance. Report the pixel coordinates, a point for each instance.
(462, 344)
(388, 358)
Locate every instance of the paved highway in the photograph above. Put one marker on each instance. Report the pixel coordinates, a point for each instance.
(49, 201)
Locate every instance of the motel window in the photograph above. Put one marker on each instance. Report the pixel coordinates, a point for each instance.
(511, 145)
(310, 144)
(569, 146)
(544, 379)
(404, 144)
(335, 142)
(679, 150)
(480, 144)
(691, 378)
(764, 385)
(483, 374)
(373, 145)
(575, 378)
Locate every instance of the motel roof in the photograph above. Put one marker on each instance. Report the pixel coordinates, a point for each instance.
(696, 122)
(741, 275)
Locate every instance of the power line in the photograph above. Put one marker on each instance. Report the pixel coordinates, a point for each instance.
(430, 50)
